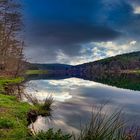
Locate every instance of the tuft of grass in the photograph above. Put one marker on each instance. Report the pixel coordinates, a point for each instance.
(31, 72)
(47, 105)
(104, 127)
(43, 108)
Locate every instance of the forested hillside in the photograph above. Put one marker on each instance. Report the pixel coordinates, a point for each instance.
(119, 63)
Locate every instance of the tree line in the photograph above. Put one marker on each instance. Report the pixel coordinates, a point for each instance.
(11, 44)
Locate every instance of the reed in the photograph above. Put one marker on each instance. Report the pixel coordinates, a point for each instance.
(107, 127)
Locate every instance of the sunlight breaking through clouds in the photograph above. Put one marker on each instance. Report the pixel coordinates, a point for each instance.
(62, 35)
(112, 48)
(137, 9)
(98, 50)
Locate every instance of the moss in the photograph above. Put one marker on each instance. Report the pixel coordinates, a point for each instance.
(30, 72)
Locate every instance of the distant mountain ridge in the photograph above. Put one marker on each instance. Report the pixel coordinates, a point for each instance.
(111, 71)
(128, 61)
(54, 66)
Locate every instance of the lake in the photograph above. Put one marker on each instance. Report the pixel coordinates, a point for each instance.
(76, 98)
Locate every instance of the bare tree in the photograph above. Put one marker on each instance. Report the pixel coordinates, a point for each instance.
(11, 46)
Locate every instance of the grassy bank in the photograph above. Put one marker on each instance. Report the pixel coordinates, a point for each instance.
(13, 121)
(135, 71)
(131, 71)
(15, 114)
(13, 125)
(4, 81)
(30, 72)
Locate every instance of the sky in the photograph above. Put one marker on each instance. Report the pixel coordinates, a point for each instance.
(79, 31)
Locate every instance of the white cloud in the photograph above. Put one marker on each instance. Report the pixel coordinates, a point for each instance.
(113, 48)
(71, 82)
(133, 42)
(98, 50)
(61, 88)
(137, 9)
(41, 95)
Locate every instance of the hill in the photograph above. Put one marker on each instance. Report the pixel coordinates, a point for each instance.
(129, 62)
(37, 66)
(120, 63)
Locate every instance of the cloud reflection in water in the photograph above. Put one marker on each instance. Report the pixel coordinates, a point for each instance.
(74, 99)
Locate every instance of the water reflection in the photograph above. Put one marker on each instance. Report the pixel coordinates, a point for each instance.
(120, 80)
(74, 99)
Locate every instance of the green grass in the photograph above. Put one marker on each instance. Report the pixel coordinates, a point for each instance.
(6, 81)
(30, 72)
(131, 71)
(13, 123)
(6, 123)
(11, 80)
(13, 113)
(135, 71)
(51, 135)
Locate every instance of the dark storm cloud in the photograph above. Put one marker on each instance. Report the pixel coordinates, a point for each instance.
(70, 37)
(66, 25)
(133, 1)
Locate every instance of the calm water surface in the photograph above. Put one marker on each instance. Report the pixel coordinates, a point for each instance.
(75, 98)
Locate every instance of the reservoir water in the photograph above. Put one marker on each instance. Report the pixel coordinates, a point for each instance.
(75, 99)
